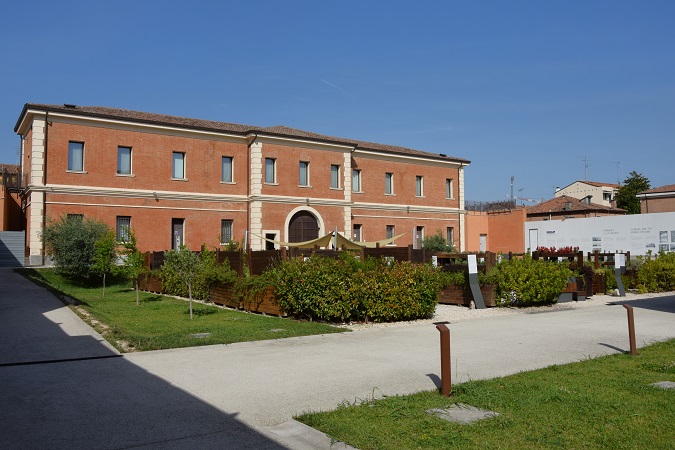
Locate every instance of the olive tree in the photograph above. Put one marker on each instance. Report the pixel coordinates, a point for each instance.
(70, 242)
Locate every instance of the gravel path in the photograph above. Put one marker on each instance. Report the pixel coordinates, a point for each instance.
(453, 313)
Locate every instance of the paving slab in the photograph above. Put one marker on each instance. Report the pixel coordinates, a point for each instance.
(461, 413)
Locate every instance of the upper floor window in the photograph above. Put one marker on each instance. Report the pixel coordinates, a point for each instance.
(76, 156)
(449, 188)
(178, 165)
(270, 170)
(334, 176)
(227, 171)
(304, 173)
(122, 228)
(124, 160)
(388, 183)
(356, 180)
(419, 185)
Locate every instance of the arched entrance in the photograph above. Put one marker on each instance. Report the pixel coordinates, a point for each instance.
(303, 227)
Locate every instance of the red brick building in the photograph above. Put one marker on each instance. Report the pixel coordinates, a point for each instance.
(660, 199)
(190, 181)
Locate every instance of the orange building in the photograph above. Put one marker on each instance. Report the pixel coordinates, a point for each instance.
(179, 181)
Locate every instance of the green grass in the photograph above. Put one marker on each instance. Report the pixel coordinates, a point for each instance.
(162, 322)
(604, 403)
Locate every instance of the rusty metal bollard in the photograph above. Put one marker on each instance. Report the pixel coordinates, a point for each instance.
(446, 380)
(631, 330)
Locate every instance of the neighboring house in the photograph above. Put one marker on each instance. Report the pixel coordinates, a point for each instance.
(190, 181)
(564, 207)
(661, 199)
(498, 231)
(600, 193)
(10, 205)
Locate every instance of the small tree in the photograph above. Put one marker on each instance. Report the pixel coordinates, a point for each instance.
(186, 265)
(134, 262)
(437, 243)
(70, 241)
(626, 197)
(105, 255)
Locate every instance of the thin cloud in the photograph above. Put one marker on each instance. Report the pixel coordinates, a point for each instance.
(335, 86)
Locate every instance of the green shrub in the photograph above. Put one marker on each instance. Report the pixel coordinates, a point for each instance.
(70, 242)
(207, 273)
(438, 243)
(657, 274)
(526, 282)
(345, 289)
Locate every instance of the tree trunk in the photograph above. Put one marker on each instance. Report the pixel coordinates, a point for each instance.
(104, 284)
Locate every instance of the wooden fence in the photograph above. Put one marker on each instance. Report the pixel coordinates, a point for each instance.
(259, 261)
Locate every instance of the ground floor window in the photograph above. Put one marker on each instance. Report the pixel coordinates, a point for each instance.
(226, 231)
(122, 228)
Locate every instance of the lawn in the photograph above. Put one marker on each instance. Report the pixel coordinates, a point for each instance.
(601, 403)
(161, 322)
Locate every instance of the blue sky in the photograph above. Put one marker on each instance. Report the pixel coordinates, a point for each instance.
(521, 88)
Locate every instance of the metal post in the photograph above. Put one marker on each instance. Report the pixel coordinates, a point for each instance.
(631, 330)
(446, 381)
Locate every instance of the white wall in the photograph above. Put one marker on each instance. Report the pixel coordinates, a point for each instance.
(637, 233)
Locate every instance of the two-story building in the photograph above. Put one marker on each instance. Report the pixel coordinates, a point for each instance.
(599, 193)
(180, 181)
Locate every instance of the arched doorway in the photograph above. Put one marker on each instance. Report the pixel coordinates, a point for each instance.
(303, 227)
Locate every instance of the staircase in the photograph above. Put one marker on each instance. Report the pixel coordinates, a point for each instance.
(12, 248)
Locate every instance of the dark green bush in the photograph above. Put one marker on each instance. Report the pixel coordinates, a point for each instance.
(342, 290)
(525, 282)
(657, 274)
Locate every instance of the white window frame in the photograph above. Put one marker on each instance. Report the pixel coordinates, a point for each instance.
(419, 186)
(223, 172)
(449, 189)
(75, 146)
(174, 165)
(303, 168)
(356, 181)
(388, 183)
(335, 176)
(119, 160)
(270, 175)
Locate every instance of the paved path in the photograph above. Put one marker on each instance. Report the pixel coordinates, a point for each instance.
(242, 395)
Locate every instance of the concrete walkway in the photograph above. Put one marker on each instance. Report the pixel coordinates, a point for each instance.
(243, 395)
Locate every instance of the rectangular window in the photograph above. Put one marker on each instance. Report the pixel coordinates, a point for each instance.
(449, 190)
(390, 231)
(335, 176)
(450, 235)
(356, 180)
(78, 217)
(389, 183)
(357, 233)
(124, 160)
(122, 228)
(419, 185)
(225, 231)
(419, 237)
(76, 156)
(178, 166)
(270, 170)
(227, 169)
(304, 173)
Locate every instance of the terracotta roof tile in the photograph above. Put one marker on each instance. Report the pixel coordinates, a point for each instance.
(209, 125)
(658, 190)
(558, 204)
